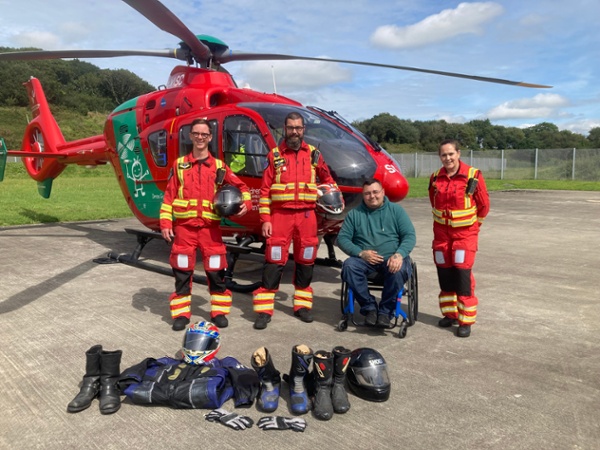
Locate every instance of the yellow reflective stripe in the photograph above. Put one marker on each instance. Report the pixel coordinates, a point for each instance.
(448, 310)
(185, 203)
(303, 293)
(209, 215)
(180, 311)
(166, 216)
(303, 303)
(462, 223)
(265, 210)
(308, 197)
(458, 213)
(246, 196)
(261, 308)
(181, 300)
(185, 215)
(282, 197)
(166, 208)
(207, 204)
(262, 296)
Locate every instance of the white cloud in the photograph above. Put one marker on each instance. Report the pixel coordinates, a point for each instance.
(293, 75)
(539, 106)
(466, 18)
(38, 39)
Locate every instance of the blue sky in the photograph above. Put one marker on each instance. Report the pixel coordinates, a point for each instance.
(552, 42)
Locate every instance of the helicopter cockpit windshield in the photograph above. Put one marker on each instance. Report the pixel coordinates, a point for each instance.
(349, 161)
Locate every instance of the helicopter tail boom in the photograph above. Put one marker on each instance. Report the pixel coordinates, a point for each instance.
(44, 151)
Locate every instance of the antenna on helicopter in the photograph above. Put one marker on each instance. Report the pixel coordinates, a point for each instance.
(274, 84)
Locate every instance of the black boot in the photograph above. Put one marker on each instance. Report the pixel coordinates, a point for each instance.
(301, 359)
(110, 396)
(270, 380)
(323, 378)
(91, 381)
(339, 397)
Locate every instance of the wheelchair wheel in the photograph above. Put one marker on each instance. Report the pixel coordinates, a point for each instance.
(412, 294)
(403, 329)
(342, 324)
(344, 297)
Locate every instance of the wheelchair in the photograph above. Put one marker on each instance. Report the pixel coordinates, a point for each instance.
(375, 280)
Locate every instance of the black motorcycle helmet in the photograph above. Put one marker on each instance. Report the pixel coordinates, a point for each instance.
(367, 375)
(228, 200)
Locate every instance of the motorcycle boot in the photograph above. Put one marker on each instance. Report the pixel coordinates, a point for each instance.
(110, 396)
(91, 381)
(270, 380)
(339, 396)
(323, 379)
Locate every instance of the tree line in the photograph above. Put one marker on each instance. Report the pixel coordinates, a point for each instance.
(403, 135)
(72, 84)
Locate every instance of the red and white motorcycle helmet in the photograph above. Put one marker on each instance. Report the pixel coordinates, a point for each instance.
(201, 343)
(330, 199)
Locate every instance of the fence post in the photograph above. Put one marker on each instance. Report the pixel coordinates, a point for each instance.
(502, 164)
(535, 165)
(416, 162)
(573, 169)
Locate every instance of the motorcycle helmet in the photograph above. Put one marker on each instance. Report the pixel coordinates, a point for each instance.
(330, 199)
(228, 200)
(201, 343)
(367, 375)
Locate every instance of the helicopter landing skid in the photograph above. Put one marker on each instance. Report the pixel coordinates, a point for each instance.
(144, 237)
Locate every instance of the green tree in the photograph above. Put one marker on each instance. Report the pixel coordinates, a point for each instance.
(594, 137)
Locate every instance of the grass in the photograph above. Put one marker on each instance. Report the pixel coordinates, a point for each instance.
(418, 186)
(81, 194)
(78, 194)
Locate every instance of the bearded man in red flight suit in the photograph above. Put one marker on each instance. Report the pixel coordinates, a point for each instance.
(460, 202)
(187, 218)
(288, 197)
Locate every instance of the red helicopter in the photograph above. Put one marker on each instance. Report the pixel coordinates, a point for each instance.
(143, 136)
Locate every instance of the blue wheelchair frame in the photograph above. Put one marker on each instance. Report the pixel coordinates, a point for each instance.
(410, 290)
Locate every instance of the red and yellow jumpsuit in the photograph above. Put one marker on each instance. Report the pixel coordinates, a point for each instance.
(188, 208)
(288, 197)
(457, 216)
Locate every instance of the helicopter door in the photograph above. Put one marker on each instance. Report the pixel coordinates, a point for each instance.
(244, 148)
(185, 142)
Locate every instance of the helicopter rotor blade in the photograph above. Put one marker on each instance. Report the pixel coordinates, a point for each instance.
(231, 56)
(163, 18)
(58, 54)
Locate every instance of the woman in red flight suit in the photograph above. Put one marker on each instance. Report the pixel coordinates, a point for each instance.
(460, 202)
(187, 217)
(288, 197)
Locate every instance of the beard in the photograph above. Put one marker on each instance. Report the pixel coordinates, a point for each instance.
(293, 142)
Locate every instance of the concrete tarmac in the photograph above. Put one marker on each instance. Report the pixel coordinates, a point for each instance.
(527, 378)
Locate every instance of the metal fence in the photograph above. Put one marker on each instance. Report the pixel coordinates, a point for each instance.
(581, 164)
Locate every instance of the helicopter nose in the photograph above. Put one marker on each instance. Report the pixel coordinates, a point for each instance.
(395, 185)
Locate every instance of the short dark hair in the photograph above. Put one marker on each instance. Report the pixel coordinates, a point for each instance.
(294, 116)
(200, 122)
(370, 181)
(452, 142)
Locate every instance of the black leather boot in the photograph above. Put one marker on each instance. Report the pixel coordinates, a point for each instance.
(339, 396)
(90, 385)
(323, 378)
(110, 396)
(270, 380)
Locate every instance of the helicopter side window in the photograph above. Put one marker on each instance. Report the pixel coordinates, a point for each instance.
(158, 147)
(243, 146)
(186, 145)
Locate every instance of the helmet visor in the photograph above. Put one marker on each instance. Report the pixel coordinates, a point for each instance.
(372, 376)
(201, 341)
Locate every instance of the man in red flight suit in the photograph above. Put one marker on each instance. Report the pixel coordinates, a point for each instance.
(188, 219)
(460, 202)
(288, 197)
